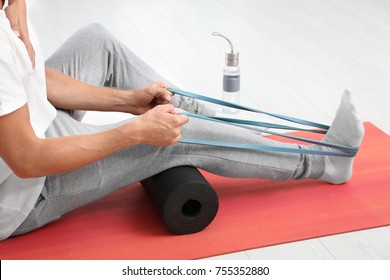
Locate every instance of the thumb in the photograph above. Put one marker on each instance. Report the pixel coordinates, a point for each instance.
(13, 20)
(30, 51)
(163, 94)
(22, 33)
(167, 108)
(15, 27)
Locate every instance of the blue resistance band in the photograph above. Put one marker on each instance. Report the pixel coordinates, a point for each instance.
(344, 151)
(245, 108)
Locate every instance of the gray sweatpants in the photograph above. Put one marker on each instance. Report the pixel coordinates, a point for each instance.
(94, 56)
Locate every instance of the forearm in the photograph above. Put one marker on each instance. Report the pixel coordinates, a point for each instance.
(35, 157)
(56, 155)
(65, 92)
(29, 156)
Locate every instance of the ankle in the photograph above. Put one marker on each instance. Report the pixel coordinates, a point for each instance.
(309, 166)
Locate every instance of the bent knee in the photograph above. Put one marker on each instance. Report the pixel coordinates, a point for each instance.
(95, 28)
(96, 33)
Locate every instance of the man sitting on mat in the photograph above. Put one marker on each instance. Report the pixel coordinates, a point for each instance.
(51, 163)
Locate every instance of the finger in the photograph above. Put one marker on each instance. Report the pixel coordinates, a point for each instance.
(31, 52)
(162, 85)
(24, 36)
(183, 119)
(177, 111)
(15, 28)
(163, 94)
(160, 101)
(32, 57)
(17, 33)
(166, 87)
(180, 120)
(166, 95)
(13, 20)
(171, 93)
(166, 108)
(177, 139)
(173, 115)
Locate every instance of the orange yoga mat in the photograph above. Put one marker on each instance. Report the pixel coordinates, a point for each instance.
(253, 213)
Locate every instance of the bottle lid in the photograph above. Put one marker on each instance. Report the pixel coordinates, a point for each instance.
(232, 58)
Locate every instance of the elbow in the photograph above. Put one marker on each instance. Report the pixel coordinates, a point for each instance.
(25, 163)
(22, 174)
(26, 171)
(26, 174)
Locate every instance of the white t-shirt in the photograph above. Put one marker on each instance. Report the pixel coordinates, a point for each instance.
(19, 85)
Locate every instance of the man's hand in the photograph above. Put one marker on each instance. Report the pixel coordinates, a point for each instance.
(16, 14)
(144, 99)
(160, 126)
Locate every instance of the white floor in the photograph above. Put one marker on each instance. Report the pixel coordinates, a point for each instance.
(296, 57)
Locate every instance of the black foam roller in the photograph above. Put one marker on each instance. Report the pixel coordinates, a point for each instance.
(183, 198)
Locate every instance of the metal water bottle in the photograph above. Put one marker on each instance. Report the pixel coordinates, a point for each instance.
(231, 76)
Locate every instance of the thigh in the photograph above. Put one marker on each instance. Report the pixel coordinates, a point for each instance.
(93, 55)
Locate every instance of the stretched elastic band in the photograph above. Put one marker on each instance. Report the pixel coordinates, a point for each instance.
(267, 125)
(245, 108)
(344, 151)
(263, 148)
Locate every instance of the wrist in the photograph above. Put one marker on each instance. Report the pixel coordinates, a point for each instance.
(130, 133)
(123, 101)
